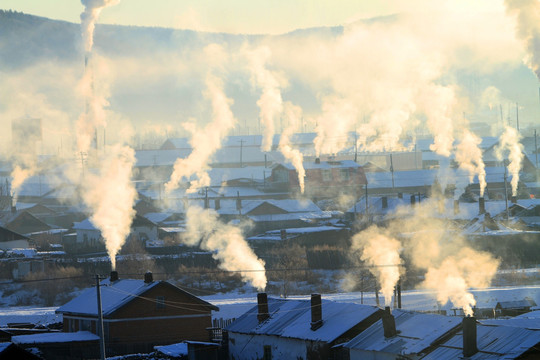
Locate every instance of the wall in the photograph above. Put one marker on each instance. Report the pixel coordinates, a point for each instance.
(249, 347)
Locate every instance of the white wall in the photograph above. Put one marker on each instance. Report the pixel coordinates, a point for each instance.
(249, 347)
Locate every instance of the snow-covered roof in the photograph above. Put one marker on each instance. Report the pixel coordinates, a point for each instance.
(292, 319)
(157, 218)
(86, 224)
(174, 350)
(55, 337)
(416, 332)
(526, 323)
(337, 164)
(493, 342)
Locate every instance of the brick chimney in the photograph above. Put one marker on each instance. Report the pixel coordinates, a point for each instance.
(469, 336)
(148, 278)
(389, 323)
(481, 205)
(262, 307)
(114, 276)
(384, 202)
(316, 311)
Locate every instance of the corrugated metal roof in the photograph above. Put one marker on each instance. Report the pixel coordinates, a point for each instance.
(494, 342)
(416, 332)
(292, 319)
(526, 323)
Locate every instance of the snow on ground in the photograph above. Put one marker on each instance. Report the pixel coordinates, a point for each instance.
(28, 314)
(232, 305)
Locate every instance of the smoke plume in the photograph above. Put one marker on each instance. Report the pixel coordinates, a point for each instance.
(469, 158)
(227, 244)
(206, 141)
(292, 114)
(270, 102)
(380, 251)
(92, 9)
(110, 194)
(527, 13)
(509, 141)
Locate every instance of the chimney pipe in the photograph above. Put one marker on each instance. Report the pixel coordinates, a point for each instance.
(413, 200)
(384, 202)
(389, 323)
(398, 286)
(217, 204)
(262, 306)
(456, 207)
(514, 199)
(148, 278)
(469, 336)
(316, 311)
(317, 160)
(283, 234)
(481, 205)
(114, 276)
(400, 195)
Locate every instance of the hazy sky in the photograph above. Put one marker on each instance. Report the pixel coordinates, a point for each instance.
(241, 16)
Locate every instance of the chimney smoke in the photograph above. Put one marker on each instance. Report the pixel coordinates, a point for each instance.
(316, 311)
(389, 323)
(469, 336)
(262, 306)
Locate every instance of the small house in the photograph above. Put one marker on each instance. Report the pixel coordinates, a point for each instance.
(139, 314)
(296, 329)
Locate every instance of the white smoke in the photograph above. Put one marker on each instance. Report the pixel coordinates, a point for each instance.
(270, 102)
(293, 115)
(380, 252)
(227, 244)
(110, 195)
(469, 158)
(206, 141)
(92, 9)
(509, 142)
(527, 13)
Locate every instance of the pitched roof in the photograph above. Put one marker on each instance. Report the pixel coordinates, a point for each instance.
(416, 332)
(114, 295)
(292, 319)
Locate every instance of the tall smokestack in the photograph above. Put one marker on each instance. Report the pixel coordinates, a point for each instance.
(469, 336)
(316, 311)
(481, 205)
(389, 323)
(262, 307)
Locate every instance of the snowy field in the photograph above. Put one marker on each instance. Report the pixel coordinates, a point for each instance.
(232, 305)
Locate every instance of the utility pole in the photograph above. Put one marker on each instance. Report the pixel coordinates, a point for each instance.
(241, 150)
(100, 330)
(506, 192)
(517, 116)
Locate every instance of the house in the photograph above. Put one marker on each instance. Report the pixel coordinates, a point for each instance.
(477, 341)
(139, 314)
(60, 345)
(11, 240)
(400, 334)
(323, 179)
(9, 351)
(514, 308)
(296, 329)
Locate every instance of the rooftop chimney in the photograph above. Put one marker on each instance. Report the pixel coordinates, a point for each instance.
(514, 199)
(283, 234)
(148, 278)
(316, 311)
(262, 306)
(114, 276)
(389, 323)
(413, 200)
(384, 202)
(217, 204)
(317, 160)
(469, 336)
(400, 195)
(456, 207)
(481, 205)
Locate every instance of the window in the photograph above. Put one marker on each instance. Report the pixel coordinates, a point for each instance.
(326, 175)
(267, 352)
(344, 174)
(160, 302)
